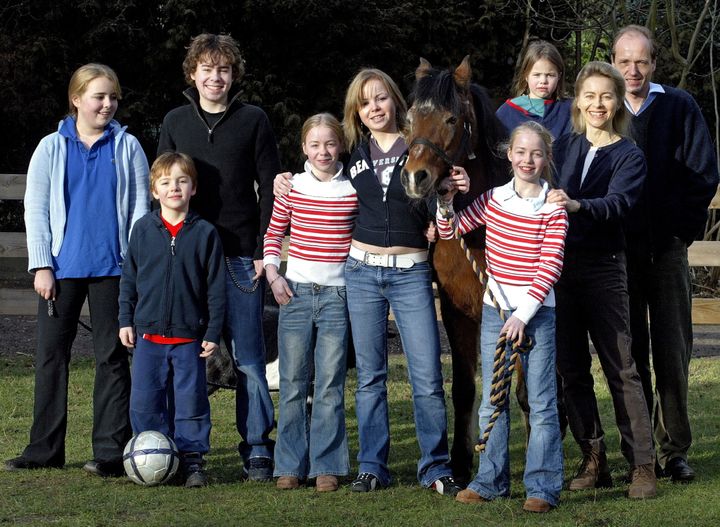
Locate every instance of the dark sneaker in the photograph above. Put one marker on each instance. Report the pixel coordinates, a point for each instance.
(105, 469)
(446, 486)
(196, 476)
(258, 469)
(643, 483)
(365, 482)
(594, 472)
(22, 463)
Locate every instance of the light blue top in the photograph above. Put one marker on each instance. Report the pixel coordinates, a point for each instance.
(45, 207)
(652, 93)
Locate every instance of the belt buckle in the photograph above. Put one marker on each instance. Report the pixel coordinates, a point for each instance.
(378, 260)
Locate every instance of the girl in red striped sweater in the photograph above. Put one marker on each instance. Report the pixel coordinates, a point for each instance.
(524, 255)
(313, 325)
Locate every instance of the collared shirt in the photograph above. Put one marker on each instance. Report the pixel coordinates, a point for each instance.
(91, 246)
(652, 93)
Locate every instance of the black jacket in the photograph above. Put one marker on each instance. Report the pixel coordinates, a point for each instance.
(390, 220)
(174, 287)
(611, 188)
(232, 156)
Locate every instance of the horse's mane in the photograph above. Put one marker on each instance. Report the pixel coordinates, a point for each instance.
(491, 133)
(436, 90)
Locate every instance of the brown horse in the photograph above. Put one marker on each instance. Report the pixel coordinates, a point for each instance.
(453, 124)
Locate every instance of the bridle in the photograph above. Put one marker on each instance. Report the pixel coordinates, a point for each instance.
(463, 149)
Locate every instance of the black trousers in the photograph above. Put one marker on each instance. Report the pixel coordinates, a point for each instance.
(661, 320)
(592, 298)
(111, 394)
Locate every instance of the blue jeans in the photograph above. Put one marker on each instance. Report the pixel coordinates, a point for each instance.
(163, 373)
(312, 334)
(371, 291)
(243, 333)
(544, 456)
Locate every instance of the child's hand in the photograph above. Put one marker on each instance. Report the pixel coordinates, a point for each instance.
(514, 329)
(560, 197)
(208, 348)
(45, 283)
(457, 181)
(281, 290)
(282, 185)
(431, 232)
(259, 269)
(127, 337)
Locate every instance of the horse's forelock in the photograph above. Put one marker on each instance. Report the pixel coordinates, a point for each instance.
(437, 90)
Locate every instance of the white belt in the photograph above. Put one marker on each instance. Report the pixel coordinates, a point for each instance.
(402, 261)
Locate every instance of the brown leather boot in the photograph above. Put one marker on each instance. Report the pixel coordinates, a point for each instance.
(643, 483)
(594, 472)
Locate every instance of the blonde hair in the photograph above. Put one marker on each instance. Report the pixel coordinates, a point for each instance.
(353, 103)
(546, 138)
(596, 68)
(83, 76)
(214, 48)
(322, 119)
(538, 50)
(164, 163)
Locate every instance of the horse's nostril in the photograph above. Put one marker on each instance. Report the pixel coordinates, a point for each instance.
(420, 176)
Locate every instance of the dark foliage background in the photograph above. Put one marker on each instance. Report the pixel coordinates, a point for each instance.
(300, 54)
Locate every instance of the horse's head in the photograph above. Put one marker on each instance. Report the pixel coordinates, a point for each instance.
(442, 120)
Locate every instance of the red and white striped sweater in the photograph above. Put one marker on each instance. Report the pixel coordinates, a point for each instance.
(525, 246)
(321, 216)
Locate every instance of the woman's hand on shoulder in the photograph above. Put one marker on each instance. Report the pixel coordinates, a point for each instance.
(559, 197)
(282, 184)
(45, 283)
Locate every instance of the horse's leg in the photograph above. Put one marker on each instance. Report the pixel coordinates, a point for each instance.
(462, 334)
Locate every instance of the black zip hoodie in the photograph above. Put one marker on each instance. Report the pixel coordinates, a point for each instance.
(386, 220)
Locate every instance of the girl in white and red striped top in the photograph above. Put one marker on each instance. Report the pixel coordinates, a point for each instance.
(524, 256)
(313, 325)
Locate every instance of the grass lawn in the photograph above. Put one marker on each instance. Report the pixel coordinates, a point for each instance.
(72, 497)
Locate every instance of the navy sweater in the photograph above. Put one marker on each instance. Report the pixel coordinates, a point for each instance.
(174, 287)
(231, 157)
(556, 117)
(611, 187)
(390, 220)
(682, 170)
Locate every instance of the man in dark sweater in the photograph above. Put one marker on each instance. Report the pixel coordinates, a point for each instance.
(234, 150)
(681, 180)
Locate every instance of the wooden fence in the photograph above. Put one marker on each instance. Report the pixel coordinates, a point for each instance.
(704, 253)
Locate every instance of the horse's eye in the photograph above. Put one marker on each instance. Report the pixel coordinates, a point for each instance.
(451, 120)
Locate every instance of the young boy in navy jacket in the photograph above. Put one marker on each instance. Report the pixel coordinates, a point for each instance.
(172, 296)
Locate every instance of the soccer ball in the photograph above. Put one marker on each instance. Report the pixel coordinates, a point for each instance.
(150, 458)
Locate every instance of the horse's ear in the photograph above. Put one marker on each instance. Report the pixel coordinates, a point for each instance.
(423, 69)
(463, 73)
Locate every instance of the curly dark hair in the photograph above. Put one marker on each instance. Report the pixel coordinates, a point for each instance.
(217, 48)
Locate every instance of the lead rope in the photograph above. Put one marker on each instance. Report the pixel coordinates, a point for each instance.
(502, 372)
